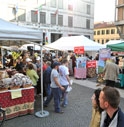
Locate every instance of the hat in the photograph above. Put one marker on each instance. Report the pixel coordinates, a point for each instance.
(56, 64)
(28, 60)
(38, 58)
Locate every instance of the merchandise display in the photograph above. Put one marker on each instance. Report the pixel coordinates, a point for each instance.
(17, 102)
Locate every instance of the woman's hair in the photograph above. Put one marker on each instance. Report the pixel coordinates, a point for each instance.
(30, 66)
(97, 93)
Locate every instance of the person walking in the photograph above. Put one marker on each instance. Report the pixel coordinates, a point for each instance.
(111, 72)
(64, 80)
(96, 109)
(47, 79)
(112, 116)
(56, 87)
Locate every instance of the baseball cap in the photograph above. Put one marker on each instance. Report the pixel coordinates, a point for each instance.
(56, 64)
(38, 58)
(28, 60)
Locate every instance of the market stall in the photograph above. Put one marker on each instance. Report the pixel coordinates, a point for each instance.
(119, 47)
(80, 69)
(69, 43)
(25, 102)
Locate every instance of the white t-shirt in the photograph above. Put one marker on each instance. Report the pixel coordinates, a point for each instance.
(54, 74)
(63, 71)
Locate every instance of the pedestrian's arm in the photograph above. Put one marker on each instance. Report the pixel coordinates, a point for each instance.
(57, 83)
(67, 77)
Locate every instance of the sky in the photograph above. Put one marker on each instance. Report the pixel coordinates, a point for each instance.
(104, 10)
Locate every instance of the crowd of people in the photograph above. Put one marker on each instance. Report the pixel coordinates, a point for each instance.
(55, 78)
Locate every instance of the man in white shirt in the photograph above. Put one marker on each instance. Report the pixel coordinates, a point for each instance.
(64, 80)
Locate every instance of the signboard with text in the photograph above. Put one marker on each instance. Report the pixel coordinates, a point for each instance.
(79, 50)
(91, 63)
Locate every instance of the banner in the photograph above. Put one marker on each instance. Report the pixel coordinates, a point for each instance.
(79, 50)
(91, 64)
(104, 53)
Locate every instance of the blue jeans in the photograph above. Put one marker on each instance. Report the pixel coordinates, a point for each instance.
(47, 88)
(65, 96)
(49, 98)
(56, 95)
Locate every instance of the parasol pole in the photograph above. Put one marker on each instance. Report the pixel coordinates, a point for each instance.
(42, 113)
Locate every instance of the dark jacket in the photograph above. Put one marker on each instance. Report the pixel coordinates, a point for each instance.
(117, 120)
(120, 118)
(47, 75)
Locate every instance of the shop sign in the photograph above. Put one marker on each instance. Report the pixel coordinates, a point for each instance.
(91, 64)
(79, 50)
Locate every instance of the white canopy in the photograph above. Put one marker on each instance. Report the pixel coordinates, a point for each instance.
(113, 42)
(68, 43)
(10, 31)
(25, 47)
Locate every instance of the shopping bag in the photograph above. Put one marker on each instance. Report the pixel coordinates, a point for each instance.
(69, 88)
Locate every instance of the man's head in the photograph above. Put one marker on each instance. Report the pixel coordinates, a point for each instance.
(109, 97)
(65, 61)
(28, 60)
(48, 63)
(56, 65)
(38, 58)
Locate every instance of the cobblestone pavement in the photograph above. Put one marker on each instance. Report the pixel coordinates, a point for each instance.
(76, 114)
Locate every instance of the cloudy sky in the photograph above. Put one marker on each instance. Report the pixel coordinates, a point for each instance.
(104, 10)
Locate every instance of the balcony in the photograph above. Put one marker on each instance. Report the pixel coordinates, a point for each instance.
(119, 23)
(121, 5)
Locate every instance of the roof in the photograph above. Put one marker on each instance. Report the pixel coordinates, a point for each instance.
(104, 25)
(10, 31)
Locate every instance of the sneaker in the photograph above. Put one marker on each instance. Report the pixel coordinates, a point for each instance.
(60, 112)
(64, 106)
(45, 105)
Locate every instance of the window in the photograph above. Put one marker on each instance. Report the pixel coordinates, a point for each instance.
(43, 17)
(60, 4)
(87, 23)
(88, 9)
(19, 14)
(53, 3)
(102, 41)
(98, 41)
(107, 32)
(103, 32)
(60, 20)
(53, 19)
(70, 21)
(112, 31)
(94, 32)
(98, 32)
(70, 5)
(34, 16)
(107, 40)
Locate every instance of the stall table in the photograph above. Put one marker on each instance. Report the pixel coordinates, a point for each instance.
(80, 73)
(19, 106)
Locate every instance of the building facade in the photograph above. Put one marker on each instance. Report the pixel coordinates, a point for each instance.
(105, 31)
(56, 18)
(119, 17)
